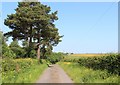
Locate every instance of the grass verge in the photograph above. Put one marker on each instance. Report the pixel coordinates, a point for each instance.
(26, 71)
(81, 74)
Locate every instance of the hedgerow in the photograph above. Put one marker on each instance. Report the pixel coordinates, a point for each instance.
(110, 63)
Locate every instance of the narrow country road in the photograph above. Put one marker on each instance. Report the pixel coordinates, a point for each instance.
(54, 74)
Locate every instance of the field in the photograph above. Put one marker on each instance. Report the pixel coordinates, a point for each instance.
(88, 55)
(77, 56)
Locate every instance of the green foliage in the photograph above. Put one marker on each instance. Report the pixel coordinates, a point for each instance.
(7, 52)
(81, 74)
(21, 70)
(109, 63)
(14, 46)
(32, 54)
(1, 38)
(22, 52)
(29, 52)
(1, 35)
(55, 57)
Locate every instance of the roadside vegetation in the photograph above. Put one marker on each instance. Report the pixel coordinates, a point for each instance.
(21, 70)
(102, 69)
(33, 26)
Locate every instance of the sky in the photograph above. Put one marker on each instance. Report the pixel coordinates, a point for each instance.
(88, 27)
(63, 0)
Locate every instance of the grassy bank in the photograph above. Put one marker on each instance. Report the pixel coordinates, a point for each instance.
(21, 70)
(81, 74)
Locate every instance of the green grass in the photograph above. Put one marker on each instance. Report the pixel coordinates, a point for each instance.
(25, 75)
(31, 75)
(81, 74)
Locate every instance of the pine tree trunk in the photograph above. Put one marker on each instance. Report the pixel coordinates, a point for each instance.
(38, 52)
(44, 51)
(38, 47)
(30, 41)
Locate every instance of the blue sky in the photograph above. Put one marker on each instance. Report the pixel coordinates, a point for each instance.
(88, 27)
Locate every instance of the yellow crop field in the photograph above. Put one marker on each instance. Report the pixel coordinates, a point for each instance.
(87, 55)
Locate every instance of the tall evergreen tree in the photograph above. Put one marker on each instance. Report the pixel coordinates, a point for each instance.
(33, 21)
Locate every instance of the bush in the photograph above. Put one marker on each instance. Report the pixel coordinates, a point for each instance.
(109, 63)
(7, 52)
(17, 64)
(55, 57)
(29, 52)
(15, 47)
(21, 70)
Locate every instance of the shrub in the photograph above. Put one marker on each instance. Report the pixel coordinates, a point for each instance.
(109, 63)
(7, 52)
(21, 70)
(29, 52)
(55, 57)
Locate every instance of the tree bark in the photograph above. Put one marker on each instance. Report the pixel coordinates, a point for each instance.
(30, 41)
(44, 51)
(38, 52)
(38, 46)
